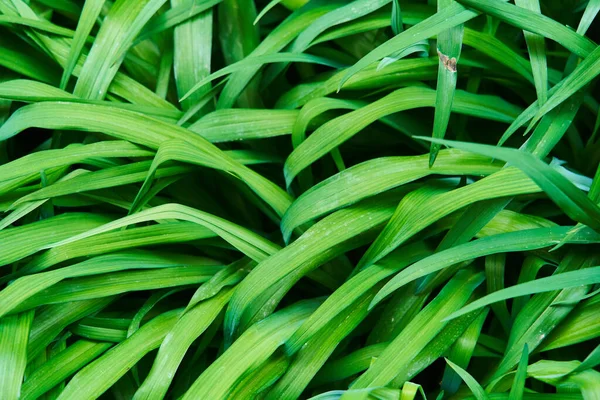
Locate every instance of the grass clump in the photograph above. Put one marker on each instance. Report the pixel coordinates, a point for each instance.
(238, 199)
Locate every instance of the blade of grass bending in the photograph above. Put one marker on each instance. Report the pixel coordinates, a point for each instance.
(178, 15)
(14, 336)
(376, 176)
(177, 232)
(266, 9)
(432, 202)
(50, 321)
(566, 195)
(449, 43)
(350, 292)
(259, 380)
(27, 286)
(539, 317)
(552, 372)
(507, 242)
(242, 124)
(115, 283)
(140, 129)
(248, 242)
(260, 60)
(338, 130)
(588, 276)
(311, 357)
(587, 70)
(35, 235)
(534, 22)
(87, 20)
(461, 353)
(37, 24)
(72, 154)
(228, 276)
(320, 242)
(475, 387)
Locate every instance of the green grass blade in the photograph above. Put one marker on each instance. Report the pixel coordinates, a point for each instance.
(338, 130)
(475, 387)
(251, 349)
(537, 54)
(124, 21)
(101, 374)
(449, 43)
(61, 366)
(14, 335)
(557, 187)
(189, 327)
(518, 387)
(89, 15)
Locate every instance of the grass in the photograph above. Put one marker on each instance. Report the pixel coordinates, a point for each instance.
(238, 199)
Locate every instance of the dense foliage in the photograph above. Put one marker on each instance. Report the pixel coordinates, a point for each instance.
(238, 199)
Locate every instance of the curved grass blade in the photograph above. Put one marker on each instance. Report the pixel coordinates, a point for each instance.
(588, 276)
(566, 195)
(340, 15)
(534, 22)
(279, 37)
(50, 321)
(587, 70)
(334, 234)
(315, 352)
(126, 281)
(338, 130)
(141, 129)
(164, 233)
(351, 291)
(72, 154)
(177, 16)
(260, 60)
(475, 387)
(36, 24)
(507, 242)
(373, 177)
(246, 241)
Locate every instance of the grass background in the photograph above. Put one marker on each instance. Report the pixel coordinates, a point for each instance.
(238, 199)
